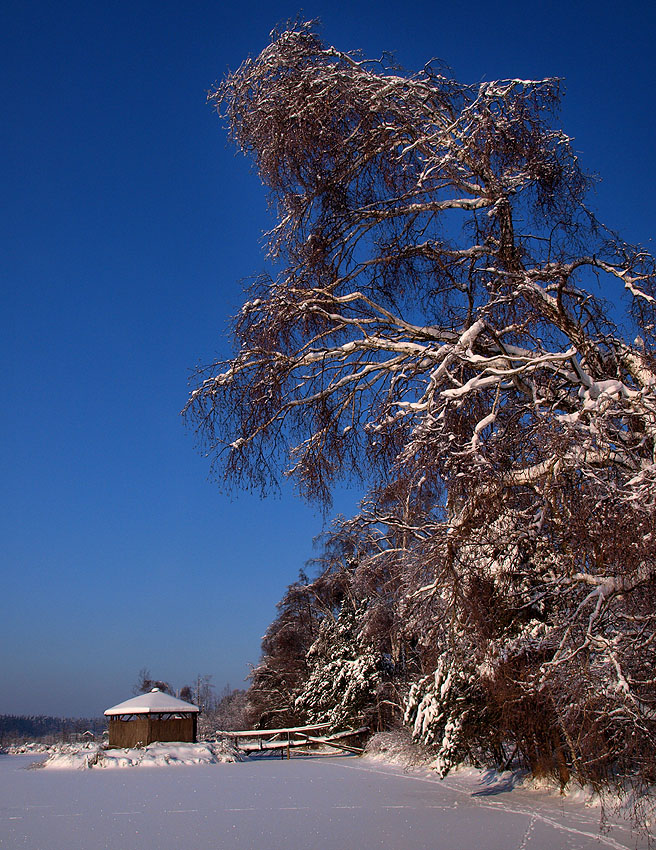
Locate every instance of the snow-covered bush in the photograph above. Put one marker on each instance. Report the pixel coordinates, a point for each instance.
(398, 746)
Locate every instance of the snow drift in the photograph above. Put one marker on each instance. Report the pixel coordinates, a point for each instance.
(85, 756)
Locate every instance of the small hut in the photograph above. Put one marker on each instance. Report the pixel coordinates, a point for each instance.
(150, 717)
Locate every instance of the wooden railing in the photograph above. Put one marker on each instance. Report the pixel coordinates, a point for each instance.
(286, 739)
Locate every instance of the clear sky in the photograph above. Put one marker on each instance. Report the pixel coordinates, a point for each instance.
(127, 225)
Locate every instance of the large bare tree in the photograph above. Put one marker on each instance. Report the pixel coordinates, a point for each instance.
(437, 328)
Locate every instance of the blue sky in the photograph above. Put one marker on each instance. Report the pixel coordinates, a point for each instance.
(127, 225)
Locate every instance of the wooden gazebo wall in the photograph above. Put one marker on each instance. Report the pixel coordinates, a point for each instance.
(130, 730)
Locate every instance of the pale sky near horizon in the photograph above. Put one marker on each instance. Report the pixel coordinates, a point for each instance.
(127, 225)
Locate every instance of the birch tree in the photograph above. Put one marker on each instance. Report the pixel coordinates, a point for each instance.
(436, 328)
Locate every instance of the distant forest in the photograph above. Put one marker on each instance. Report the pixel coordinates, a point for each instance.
(16, 728)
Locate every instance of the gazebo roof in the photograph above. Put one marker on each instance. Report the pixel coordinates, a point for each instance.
(154, 702)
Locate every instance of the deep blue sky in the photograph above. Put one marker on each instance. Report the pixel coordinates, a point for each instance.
(127, 224)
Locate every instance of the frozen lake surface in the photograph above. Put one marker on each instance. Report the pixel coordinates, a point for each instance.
(303, 804)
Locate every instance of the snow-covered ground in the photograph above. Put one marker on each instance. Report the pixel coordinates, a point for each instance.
(327, 803)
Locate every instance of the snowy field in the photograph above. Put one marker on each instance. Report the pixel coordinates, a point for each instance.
(332, 803)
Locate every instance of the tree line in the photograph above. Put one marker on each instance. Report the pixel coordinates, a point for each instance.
(449, 325)
(18, 728)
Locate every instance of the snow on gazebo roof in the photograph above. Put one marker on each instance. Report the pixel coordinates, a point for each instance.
(154, 702)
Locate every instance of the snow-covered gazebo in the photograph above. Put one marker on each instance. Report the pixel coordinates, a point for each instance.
(154, 716)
